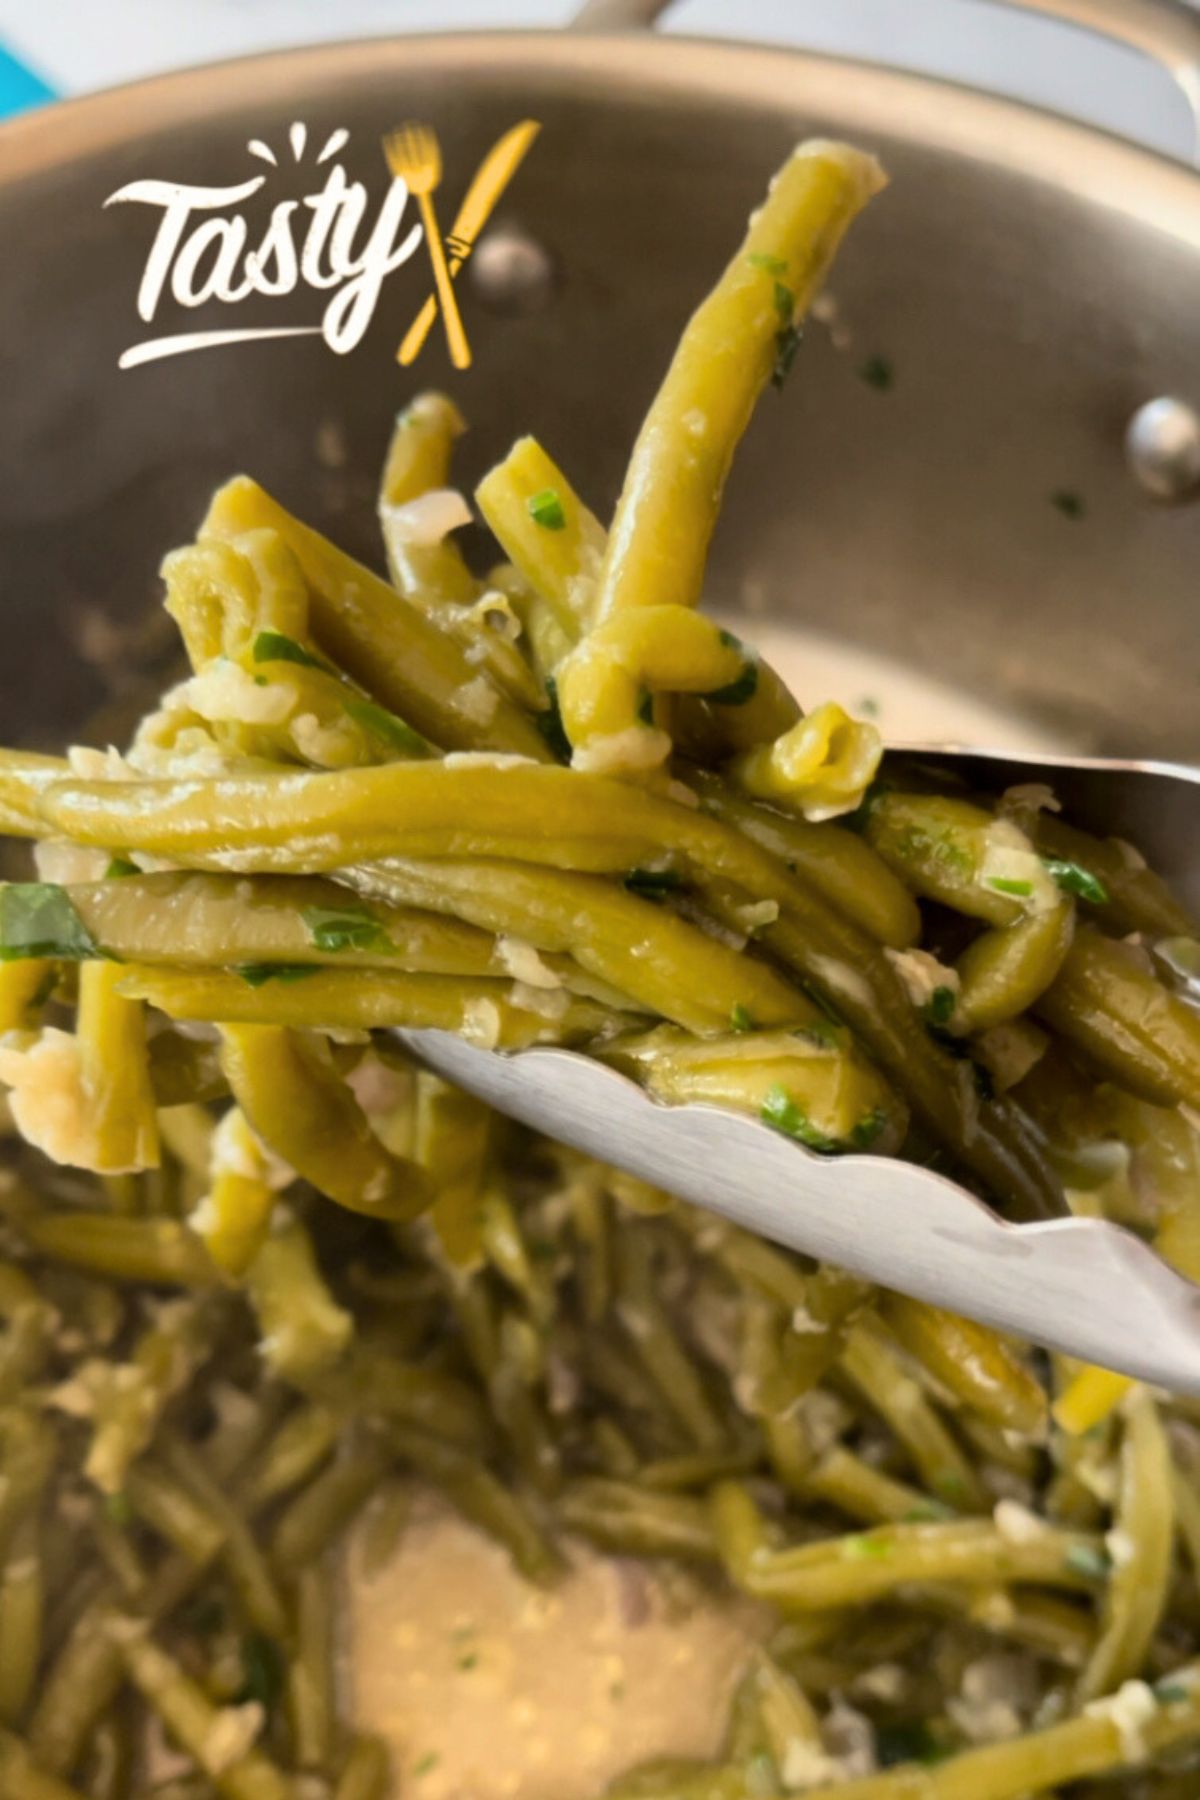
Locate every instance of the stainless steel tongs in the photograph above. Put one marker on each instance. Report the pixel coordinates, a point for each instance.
(1079, 1285)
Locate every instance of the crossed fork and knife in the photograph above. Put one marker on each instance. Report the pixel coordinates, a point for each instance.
(413, 155)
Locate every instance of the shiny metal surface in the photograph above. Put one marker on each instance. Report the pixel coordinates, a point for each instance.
(1031, 282)
(1163, 447)
(1081, 1286)
(1167, 31)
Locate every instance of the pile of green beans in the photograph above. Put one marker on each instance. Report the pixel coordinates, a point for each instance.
(254, 1266)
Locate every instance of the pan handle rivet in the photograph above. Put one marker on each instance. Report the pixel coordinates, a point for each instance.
(511, 272)
(1162, 443)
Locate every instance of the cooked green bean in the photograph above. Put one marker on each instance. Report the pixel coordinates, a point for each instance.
(297, 1103)
(1141, 1548)
(379, 638)
(1108, 1004)
(743, 331)
(558, 554)
(220, 1742)
(372, 806)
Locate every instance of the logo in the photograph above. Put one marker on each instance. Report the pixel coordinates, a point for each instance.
(326, 242)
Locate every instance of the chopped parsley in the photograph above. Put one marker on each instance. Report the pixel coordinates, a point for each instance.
(879, 372)
(546, 509)
(868, 706)
(425, 1763)
(276, 646)
(866, 1548)
(939, 1008)
(258, 974)
(1073, 878)
(1006, 884)
(909, 1740)
(787, 342)
(469, 1660)
(780, 1110)
(736, 693)
(929, 1512)
(868, 1128)
(351, 926)
(1171, 1693)
(1069, 503)
(550, 724)
(785, 303)
(1084, 1560)
(120, 869)
(652, 884)
(740, 1019)
(951, 1483)
(385, 725)
(771, 265)
(262, 1672)
(37, 918)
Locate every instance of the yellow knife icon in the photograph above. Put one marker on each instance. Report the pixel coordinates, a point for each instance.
(490, 180)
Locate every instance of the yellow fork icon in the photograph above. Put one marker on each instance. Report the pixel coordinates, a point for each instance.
(487, 185)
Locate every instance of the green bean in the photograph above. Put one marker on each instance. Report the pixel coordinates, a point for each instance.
(258, 923)
(1004, 971)
(22, 1779)
(366, 1772)
(193, 1721)
(162, 1502)
(475, 1492)
(973, 1363)
(1093, 1743)
(303, 1443)
(841, 866)
(302, 1109)
(29, 1326)
(561, 564)
(379, 638)
(663, 963)
(24, 988)
(319, 1514)
(863, 1492)
(656, 1343)
(885, 1385)
(1108, 1004)
(161, 1252)
(245, 1565)
(311, 1697)
(672, 490)
(114, 1073)
(1136, 898)
(819, 1087)
(453, 1133)
(1136, 1596)
(360, 1000)
(634, 1521)
(22, 1604)
(221, 595)
(370, 1382)
(304, 1331)
(434, 575)
(28, 1447)
(857, 1570)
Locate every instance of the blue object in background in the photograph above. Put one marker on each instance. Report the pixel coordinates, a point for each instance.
(20, 88)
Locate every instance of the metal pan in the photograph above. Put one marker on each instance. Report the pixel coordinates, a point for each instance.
(1031, 282)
